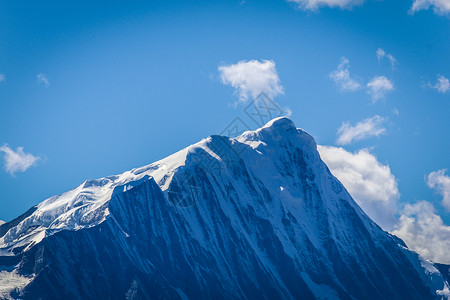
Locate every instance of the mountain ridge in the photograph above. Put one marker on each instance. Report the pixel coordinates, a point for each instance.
(255, 216)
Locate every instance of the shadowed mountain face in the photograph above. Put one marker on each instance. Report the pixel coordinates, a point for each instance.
(258, 216)
(445, 270)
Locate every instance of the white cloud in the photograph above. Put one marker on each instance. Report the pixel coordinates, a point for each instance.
(370, 183)
(382, 54)
(442, 85)
(440, 7)
(424, 232)
(251, 78)
(2, 222)
(287, 112)
(369, 127)
(440, 182)
(315, 4)
(379, 86)
(341, 76)
(42, 79)
(17, 161)
(2, 77)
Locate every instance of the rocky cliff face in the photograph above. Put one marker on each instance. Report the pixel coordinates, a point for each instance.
(258, 216)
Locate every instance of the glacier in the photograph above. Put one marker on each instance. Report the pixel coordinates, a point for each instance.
(258, 216)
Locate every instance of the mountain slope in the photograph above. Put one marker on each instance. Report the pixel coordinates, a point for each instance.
(257, 216)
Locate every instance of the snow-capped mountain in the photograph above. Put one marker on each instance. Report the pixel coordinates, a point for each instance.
(258, 216)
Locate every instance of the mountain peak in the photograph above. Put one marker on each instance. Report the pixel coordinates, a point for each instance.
(279, 126)
(280, 130)
(280, 122)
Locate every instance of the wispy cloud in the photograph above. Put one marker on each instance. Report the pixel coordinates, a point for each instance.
(370, 183)
(440, 181)
(366, 128)
(251, 78)
(381, 54)
(424, 232)
(378, 87)
(17, 161)
(42, 79)
(315, 4)
(2, 77)
(442, 85)
(440, 7)
(341, 76)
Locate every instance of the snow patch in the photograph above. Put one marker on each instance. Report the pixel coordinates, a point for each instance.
(320, 291)
(9, 281)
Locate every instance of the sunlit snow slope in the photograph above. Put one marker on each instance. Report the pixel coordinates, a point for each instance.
(257, 216)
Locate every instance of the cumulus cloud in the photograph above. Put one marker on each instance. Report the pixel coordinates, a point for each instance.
(17, 161)
(424, 232)
(378, 87)
(442, 85)
(370, 183)
(251, 78)
(315, 4)
(42, 79)
(341, 76)
(381, 54)
(440, 182)
(2, 77)
(366, 128)
(440, 7)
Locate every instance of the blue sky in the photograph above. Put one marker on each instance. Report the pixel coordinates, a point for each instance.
(94, 89)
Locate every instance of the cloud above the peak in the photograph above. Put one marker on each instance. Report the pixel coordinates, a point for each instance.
(370, 183)
(17, 161)
(424, 232)
(43, 80)
(378, 87)
(440, 7)
(341, 77)
(442, 85)
(366, 128)
(381, 54)
(315, 4)
(251, 78)
(2, 77)
(440, 182)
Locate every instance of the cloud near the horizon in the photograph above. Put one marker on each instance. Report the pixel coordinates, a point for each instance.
(17, 161)
(424, 232)
(251, 78)
(370, 183)
(366, 128)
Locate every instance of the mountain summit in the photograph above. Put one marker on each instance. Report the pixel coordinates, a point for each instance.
(259, 216)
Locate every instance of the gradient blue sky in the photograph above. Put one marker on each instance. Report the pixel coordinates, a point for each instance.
(132, 82)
